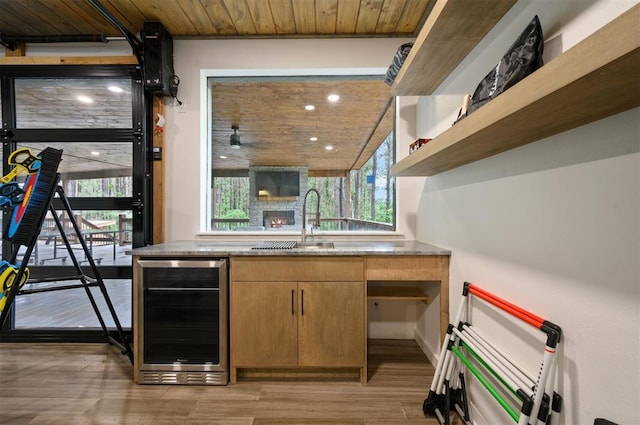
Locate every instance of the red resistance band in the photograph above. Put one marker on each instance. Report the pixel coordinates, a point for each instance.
(552, 330)
(530, 318)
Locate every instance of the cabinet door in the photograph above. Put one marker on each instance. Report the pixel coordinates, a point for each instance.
(263, 324)
(331, 324)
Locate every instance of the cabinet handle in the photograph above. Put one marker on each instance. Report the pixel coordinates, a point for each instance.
(302, 302)
(293, 311)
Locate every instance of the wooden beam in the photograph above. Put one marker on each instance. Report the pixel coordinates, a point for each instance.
(158, 172)
(68, 60)
(20, 50)
(328, 173)
(222, 172)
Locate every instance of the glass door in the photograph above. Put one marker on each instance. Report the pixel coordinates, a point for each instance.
(96, 116)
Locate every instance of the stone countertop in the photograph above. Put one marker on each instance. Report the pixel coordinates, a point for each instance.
(209, 248)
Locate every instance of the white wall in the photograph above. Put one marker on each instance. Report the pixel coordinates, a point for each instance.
(553, 226)
(185, 136)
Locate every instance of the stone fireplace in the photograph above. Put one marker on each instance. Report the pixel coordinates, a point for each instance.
(262, 211)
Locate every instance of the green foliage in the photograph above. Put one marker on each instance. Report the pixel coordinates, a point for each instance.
(111, 187)
(231, 197)
(384, 214)
(235, 214)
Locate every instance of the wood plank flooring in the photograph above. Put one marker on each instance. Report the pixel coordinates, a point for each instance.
(75, 384)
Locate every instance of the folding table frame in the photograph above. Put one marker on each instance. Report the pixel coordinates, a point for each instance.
(466, 351)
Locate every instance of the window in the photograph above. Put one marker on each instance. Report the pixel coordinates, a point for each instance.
(263, 127)
(371, 194)
(73, 103)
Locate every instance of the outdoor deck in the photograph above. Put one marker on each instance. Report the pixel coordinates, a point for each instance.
(70, 308)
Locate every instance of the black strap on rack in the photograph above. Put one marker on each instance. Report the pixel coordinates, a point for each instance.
(86, 281)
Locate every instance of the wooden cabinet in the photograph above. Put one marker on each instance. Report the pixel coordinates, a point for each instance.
(264, 324)
(331, 324)
(297, 316)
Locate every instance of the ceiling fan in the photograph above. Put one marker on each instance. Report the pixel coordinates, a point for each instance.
(234, 139)
(236, 143)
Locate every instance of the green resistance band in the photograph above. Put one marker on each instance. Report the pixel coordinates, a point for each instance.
(490, 369)
(514, 415)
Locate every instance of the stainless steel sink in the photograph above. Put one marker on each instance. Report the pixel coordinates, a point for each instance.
(314, 245)
(275, 245)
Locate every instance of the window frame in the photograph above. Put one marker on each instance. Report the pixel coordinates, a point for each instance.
(207, 208)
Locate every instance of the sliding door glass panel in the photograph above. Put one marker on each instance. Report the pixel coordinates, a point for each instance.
(73, 103)
(52, 309)
(106, 233)
(102, 170)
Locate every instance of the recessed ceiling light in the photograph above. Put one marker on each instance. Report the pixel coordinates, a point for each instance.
(95, 153)
(329, 147)
(313, 139)
(115, 89)
(333, 98)
(309, 107)
(84, 99)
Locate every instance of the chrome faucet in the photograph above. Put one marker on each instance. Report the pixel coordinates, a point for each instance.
(303, 238)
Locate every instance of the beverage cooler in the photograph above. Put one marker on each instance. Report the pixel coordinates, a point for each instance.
(180, 319)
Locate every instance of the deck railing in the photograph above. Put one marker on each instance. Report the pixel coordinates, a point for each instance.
(328, 224)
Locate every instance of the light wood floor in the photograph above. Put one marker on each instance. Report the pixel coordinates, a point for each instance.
(75, 384)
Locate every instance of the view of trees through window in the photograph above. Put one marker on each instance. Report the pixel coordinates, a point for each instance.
(105, 187)
(371, 194)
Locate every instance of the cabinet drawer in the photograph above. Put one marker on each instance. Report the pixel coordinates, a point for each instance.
(407, 268)
(294, 269)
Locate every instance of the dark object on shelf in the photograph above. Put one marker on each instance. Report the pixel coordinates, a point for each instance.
(523, 58)
(418, 144)
(396, 63)
(600, 421)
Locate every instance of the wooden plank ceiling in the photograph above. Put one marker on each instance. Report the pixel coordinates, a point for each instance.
(274, 127)
(218, 18)
(283, 132)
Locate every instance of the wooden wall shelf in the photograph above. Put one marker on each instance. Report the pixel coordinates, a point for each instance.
(596, 78)
(397, 293)
(452, 30)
